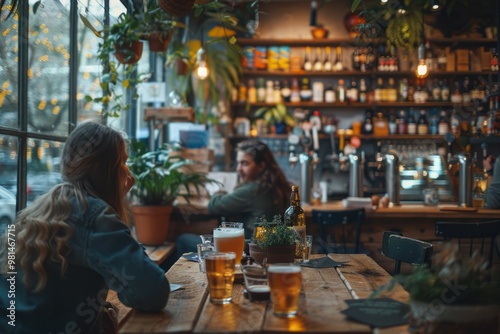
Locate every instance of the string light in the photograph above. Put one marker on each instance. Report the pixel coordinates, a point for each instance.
(422, 71)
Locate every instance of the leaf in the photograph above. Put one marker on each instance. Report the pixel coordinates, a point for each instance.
(89, 25)
(35, 6)
(355, 5)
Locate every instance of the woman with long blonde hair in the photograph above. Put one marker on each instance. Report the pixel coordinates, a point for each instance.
(72, 244)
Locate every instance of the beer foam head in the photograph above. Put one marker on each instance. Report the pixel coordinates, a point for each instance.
(224, 232)
(283, 268)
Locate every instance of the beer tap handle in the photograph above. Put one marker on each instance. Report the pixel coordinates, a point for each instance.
(449, 137)
(484, 146)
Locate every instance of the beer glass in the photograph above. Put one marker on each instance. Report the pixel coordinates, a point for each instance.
(230, 237)
(285, 282)
(220, 276)
(256, 283)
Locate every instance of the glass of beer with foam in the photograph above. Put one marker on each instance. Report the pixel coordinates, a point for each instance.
(220, 275)
(230, 237)
(285, 282)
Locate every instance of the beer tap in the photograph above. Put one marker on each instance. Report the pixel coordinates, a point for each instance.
(356, 167)
(465, 172)
(393, 178)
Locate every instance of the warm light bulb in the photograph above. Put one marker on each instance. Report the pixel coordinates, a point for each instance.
(422, 69)
(202, 69)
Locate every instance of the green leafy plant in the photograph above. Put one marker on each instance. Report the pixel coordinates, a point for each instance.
(274, 233)
(468, 276)
(275, 114)
(161, 176)
(156, 20)
(118, 36)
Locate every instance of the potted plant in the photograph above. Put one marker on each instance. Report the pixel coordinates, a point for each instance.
(161, 177)
(277, 117)
(455, 294)
(157, 26)
(273, 242)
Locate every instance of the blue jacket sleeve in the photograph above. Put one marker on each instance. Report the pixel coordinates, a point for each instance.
(492, 193)
(126, 268)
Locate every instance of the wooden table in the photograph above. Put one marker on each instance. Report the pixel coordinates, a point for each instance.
(324, 293)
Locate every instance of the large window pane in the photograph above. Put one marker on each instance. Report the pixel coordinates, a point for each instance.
(8, 184)
(43, 167)
(9, 72)
(48, 69)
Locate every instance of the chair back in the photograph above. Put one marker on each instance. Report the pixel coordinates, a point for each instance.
(477, 234)
(404, 249)
(329, 241)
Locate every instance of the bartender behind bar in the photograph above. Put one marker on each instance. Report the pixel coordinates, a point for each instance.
(492, 193)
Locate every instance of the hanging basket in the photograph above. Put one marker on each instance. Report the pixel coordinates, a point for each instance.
(176, 7)
(158, 42)
(130, 54)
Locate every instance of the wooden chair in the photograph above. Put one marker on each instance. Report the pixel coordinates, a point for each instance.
(477, 234)
(328, 241)
(403, 249)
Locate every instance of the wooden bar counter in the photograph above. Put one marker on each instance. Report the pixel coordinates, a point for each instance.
(412, 220)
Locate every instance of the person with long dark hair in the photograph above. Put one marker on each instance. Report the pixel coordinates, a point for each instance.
(72, 244)
(263, 190)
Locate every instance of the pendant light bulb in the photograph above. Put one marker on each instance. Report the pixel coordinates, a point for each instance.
(422, 71)
(435, 5)
(202, 69)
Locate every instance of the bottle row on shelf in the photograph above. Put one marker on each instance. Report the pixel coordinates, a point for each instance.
(365, 58)
(364, 90)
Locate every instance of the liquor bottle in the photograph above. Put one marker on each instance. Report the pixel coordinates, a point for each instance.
(411, 90)
(277, 92)
(403, 90)
(393, 125)
(391, 92)
(294, 217)
(443, 126)
(402, 123)
(305, 90)
(436, 91)
(378, 90)
(286, 92)
(473, 123)
(466, 94)
(341, 91)
(423, 125)
(456, 97)
(477, 194)
(352, 92)
(356, 63)
(339, 65)
(295, 94)
(318, 64)
(434, 122)
(494, 60)
(252, 91)
(370, 59)
(329, 93)
(441, 60)
(242, 93)
(412, 124)
(318, 91)
(455, 123)
(368, 122)
(445, 91)
(269, 92)
(307, 65)
(362, 90)
(363, 59)
(328, 65)
(261, 90)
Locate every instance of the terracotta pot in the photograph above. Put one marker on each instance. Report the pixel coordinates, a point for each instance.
(131, 54)
(436, 318)
(176, 7)
(274, 254)
(182, 67)
(151, 223)
(158, 42)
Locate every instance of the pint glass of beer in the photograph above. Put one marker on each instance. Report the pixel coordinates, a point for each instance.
(230, 239)
(285, 282)
(220, 276)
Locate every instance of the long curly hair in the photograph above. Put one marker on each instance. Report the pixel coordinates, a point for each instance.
(271, 178)
(92, 162)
